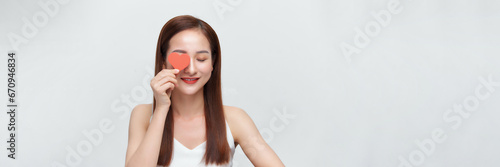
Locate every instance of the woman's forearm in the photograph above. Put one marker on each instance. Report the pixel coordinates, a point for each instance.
(149, 149)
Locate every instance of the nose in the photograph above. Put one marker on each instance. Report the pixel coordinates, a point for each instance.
(190, 69)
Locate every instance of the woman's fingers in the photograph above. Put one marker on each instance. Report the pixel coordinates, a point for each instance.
(163, 84)
(163, 74)
(167, 80)
(169, 87)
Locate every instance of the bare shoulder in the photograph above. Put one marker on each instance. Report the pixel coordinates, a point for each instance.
(141, 114)
(138, 125)
(234, 114)
(232, 110)
(246, 134)
(239, 121)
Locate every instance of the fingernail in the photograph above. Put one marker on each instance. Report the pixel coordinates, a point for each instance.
(176, 70)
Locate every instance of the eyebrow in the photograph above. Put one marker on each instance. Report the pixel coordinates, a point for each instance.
(183, 51)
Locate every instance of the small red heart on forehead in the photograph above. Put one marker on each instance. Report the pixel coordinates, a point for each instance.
(179, 61)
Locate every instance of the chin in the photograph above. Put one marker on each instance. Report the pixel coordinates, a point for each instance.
(190, 91)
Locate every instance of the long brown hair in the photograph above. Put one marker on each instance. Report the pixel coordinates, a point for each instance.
(217, 148)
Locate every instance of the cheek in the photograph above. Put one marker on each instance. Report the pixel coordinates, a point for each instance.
(206, 68)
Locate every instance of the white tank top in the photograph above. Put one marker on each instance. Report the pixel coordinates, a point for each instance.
(183, 156)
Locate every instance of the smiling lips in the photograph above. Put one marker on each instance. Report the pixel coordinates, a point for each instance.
(190, 80)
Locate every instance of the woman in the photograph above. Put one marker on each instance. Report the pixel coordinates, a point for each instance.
(187, 125)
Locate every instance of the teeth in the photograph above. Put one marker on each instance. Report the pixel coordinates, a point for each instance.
(189, 79)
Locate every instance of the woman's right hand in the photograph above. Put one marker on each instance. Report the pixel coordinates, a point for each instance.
(163, 84)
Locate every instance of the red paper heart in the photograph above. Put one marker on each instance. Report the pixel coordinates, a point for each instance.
(179, 61)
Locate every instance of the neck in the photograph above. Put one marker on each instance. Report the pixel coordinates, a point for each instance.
(188, 106)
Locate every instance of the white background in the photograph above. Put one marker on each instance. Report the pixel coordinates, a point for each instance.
(91, 61)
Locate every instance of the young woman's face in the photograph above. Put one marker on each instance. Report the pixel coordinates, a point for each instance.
(199, 70)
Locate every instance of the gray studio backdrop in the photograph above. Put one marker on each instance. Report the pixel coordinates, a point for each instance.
(328, 83)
